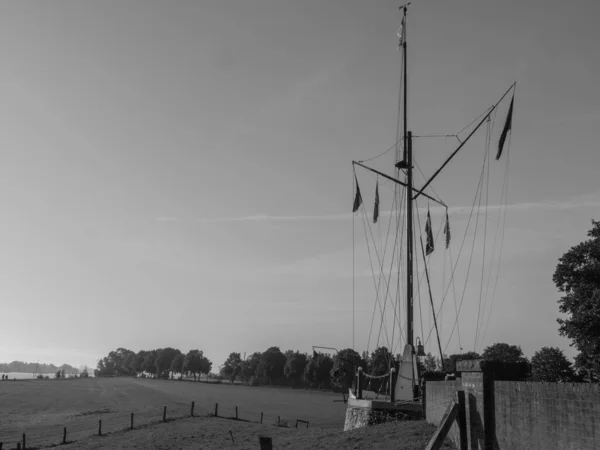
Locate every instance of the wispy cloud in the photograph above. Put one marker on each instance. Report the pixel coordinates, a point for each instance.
(588, 201)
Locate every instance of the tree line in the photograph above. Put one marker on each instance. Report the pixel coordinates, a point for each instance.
(30, 367)
(161, 363)
(321, 370)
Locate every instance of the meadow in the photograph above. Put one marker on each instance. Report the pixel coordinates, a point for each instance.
(41, 408)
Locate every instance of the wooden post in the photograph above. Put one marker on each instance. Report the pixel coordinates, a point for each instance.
(131, 425)
(266, 443)
(100, 427)
(392, 385)
(216, 410)
(236, 412)
(192, 412)
(462, 419)
(18, 446)
(165, 414)
(64, 435)
(278, 419)
(359, 383)
(24, 446)
(261, 418)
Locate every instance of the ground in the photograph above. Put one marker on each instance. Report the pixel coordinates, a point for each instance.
(42, 408)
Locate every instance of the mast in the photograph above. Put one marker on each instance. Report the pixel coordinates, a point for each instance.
(409, 198)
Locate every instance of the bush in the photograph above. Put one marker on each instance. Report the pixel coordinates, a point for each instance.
(40, 377)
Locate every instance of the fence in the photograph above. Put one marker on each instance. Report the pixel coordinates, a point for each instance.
(509, 414)
(110, 423)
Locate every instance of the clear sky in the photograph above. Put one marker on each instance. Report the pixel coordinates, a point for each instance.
(178, 173)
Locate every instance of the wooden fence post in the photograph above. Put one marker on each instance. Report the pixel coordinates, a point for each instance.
(216, 410)
(462, 419)
(64, 435)
(261, 417)
(131, 424)
(192, 412)
(24, 446)
(236, 412)
(18, 446)
(359, 383)
(165, 414)
(100, 427)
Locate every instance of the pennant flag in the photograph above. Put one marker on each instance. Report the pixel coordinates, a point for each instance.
(401, 35)
(447, 230)
(429, 247)
(358, 198)
(376, 209)
(507, 128)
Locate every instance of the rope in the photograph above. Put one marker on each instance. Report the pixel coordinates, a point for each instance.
(485, 162)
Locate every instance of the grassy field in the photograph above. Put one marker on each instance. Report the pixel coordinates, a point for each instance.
(41, 408)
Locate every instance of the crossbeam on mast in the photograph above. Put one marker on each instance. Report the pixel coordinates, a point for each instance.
(439, 202)
(437, 172)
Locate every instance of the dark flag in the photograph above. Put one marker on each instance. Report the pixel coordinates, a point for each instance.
(358, 198)
(447, 230)
(376, 209)
(429, 247)
(507, 128)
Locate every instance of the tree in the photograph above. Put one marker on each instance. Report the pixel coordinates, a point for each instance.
(138, 362)
(232, 366)
(551, 365)
(345, 364)
(196, 363)
(577, 277)
(379, 363)
(431, 363)
(177, 365)
(504, 353)
(294, 366)
(272, 364)
(249, 366)
(163, 361)
(150, 362)
(317, 372)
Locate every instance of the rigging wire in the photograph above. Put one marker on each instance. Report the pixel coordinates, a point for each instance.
(365, 224)
(353, 260)
(485, 163)
(458, 258)
(505, 194)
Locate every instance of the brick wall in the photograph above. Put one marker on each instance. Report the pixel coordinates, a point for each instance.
(547, 415)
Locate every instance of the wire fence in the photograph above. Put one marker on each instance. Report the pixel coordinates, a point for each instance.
(104, 422)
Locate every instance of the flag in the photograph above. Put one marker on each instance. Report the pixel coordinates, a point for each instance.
(358, 198)
(447, 230)
(401, 35)
(507, 128)
(376, 209)
(429, 247)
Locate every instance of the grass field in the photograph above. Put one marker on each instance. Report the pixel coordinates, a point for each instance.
(41, 408)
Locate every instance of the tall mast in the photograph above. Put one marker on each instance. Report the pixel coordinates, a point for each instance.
(409, 198)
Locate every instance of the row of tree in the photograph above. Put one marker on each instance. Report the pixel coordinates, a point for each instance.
(30, 367)
(321, 370)
(162, 363)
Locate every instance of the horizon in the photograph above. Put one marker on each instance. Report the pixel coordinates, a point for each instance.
(180, 174)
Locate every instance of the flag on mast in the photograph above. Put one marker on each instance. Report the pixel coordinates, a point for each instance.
(376, 209)
(401, 31)
(447, 230)
(429, 247)
(357, 198)
(506, 129)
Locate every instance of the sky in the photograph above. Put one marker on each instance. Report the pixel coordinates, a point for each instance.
(179, 173)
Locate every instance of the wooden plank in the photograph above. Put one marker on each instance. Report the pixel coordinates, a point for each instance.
(461, 419)
(440, 434)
